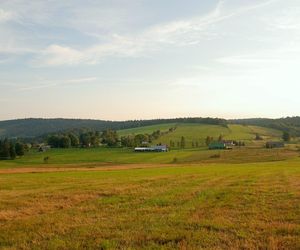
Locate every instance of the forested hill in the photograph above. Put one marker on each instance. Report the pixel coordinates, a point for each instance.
(36, 127)
(289, 124)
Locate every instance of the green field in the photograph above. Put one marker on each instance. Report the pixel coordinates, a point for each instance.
(107, 156)
(194, 198)
(146, 129)
(198, 133)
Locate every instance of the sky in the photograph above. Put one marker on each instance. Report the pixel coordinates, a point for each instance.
(145, 59)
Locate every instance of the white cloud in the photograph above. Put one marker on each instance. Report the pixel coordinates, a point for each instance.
(177, 33)
(56, 55)
(187, 32)
(6, 15)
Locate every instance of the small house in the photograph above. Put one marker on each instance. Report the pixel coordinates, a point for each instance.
(229, 143)
(274, 144)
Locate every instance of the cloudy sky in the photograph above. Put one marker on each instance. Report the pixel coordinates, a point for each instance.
(133, 59)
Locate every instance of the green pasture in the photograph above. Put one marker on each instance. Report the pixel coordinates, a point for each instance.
(198, 133)
(106, 156)
(146, 129)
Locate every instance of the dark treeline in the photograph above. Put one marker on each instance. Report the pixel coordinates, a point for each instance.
(109, 137)
(288, 124)
(9, 149)
(37, 127)
(84, 139)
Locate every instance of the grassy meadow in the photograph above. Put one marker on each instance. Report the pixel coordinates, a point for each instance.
(198, 133)
(194, 198)
(213, 206)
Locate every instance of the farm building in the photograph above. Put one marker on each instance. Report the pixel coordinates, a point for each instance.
(274, 144)
(217, 145)
(43, 148)
(160, 148)
(229, 143)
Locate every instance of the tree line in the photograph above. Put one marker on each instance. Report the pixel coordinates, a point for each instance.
(84, 139)
(143, 139)
(108, 137)
(9, 149)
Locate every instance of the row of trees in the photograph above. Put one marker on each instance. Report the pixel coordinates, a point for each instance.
(286, 136)
(108, 137)
(210, 139)
(143, 139)
(9, 150)
(178, 144)
(140, 139)
(84, 139)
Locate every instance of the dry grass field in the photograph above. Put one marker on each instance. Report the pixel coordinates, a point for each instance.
(199, 206)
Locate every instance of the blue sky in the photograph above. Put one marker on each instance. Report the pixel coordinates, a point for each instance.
(134, 59)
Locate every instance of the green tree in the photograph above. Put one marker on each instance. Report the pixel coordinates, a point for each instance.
(12, 151)
(172, 144)
(5, 149)
(54, 141)
(182, 142)
(220, 138)
(19, 147)
(286, 136)
(74, 139)
(110, 137)
(65, 142)
(208, 140)
(85, 139)
(258, 137)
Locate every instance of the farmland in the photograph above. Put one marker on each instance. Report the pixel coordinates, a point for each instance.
(193, 198)
(198, 132)
(172, 207)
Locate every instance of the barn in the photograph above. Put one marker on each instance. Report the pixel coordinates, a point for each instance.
(159, 148)
(217, 145)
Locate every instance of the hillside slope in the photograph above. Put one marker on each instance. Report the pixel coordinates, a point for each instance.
(289, 124)
(198, 133)
(36, 127)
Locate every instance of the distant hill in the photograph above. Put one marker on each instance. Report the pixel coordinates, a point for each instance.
(36, 127)
(289, 124)
(196, 133)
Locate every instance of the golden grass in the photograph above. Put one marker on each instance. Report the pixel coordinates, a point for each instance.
(213, 206)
